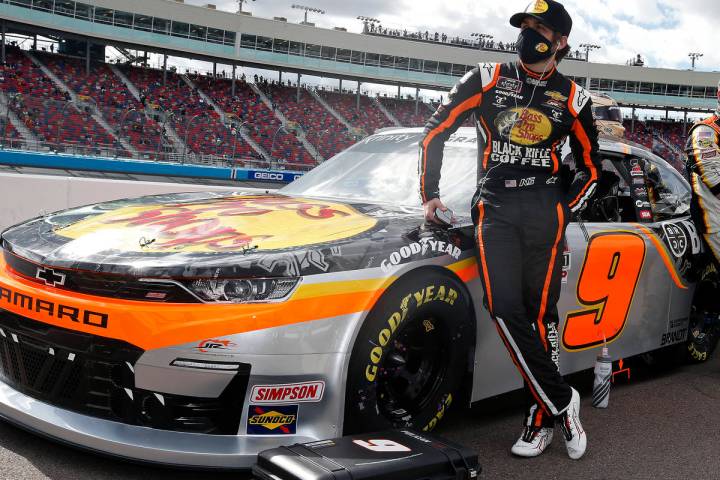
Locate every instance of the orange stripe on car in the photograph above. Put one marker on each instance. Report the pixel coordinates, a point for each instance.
(663, 254)
(157, 325)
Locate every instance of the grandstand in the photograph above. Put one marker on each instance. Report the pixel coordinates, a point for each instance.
(71, 100)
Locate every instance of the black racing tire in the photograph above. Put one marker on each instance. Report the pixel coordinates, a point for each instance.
(411, 355)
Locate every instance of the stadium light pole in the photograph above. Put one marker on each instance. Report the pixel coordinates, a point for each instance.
(588, 47)
(308, 9)
(367, 21)
(481, 36)
(694, 56)
(240, 5)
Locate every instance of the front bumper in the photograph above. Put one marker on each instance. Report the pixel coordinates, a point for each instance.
(134, 442)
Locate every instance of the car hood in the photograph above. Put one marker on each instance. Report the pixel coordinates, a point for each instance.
(217, 234)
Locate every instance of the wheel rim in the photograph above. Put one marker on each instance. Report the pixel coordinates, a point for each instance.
(413, 370)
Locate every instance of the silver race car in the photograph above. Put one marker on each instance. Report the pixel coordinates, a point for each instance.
(199, 329)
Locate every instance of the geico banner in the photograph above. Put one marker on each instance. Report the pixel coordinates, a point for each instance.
(272, 176)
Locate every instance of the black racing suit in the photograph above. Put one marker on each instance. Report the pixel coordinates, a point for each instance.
(703, 165)
(521, 208)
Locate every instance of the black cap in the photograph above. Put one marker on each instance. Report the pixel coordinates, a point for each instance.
(548, 12)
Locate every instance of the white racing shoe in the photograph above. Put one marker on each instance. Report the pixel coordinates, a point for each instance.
(532, 442)
(575, 437)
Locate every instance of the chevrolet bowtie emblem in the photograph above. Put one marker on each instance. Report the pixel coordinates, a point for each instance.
(50, 277)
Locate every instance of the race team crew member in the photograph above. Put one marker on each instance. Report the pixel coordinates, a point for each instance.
(524, 111)
(703, 166)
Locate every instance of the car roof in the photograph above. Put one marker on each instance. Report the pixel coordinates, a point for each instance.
(607, 143)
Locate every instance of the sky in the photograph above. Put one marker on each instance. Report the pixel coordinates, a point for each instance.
(662, 31)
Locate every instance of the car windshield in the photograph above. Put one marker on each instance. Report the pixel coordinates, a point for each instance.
(383, 168)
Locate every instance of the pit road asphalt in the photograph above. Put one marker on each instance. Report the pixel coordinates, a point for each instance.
(661, 424)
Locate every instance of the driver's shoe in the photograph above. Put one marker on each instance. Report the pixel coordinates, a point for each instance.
(575, 437)
(532, 442)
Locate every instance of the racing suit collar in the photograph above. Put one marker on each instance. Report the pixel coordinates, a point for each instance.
(550, 73)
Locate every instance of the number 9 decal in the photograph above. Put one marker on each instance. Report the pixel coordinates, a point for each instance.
(606, 286)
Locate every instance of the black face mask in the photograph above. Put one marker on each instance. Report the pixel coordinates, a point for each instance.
(533, 47)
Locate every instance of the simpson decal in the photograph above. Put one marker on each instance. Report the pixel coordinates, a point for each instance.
(675, 238)
(287, 393)
(276, 420)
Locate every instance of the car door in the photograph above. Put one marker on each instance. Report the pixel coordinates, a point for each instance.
(626, 284)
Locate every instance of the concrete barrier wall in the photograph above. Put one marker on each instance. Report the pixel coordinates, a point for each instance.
(26, 196)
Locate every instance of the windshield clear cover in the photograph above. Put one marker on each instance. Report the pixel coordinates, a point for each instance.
(383, 168)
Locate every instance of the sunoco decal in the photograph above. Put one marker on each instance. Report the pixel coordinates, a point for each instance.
(277, 420)
(287, 393)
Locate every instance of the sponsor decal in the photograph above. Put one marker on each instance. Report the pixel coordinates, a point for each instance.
(381, 445)
(646, 214)
(642, 204)
(289, 392)
(640, 192)
(429, 294)
(524, 126)
(567, 263)
(554, 341)
(512, 183)
(221, 225)
(504, 152)
(527, 182)
(675, 238)
(542, 48)
(676, 336)
(695, 244)
(509, 84)
(295, 263)
(422, 247)
(533, 81)
(273, 176)
(552, 180)
(710, 154)
(557, 96)
(276, 420)
(554, 104)
(212, 344)
(50, 277)
(704, 143)
(500, 102)
(556, 116)
(540, 6)
(30, 306)
(636, 171)
(638, 181)
(429, 327)
(704, 133)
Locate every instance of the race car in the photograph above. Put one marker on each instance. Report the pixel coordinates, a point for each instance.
(199, 329)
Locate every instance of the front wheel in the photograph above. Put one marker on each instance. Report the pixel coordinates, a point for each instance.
(411, 356)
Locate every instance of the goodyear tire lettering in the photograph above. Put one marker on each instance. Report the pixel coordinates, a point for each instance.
(422, 297)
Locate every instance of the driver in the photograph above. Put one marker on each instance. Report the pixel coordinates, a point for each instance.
(703, 167)
(524, 112)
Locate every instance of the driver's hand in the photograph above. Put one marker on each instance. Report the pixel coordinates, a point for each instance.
(430, 207)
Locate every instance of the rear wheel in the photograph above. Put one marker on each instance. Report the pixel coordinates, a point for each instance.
(410, 357)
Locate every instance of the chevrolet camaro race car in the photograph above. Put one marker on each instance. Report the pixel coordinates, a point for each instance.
(199, 329)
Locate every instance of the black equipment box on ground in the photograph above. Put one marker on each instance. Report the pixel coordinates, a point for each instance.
(389, 455)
